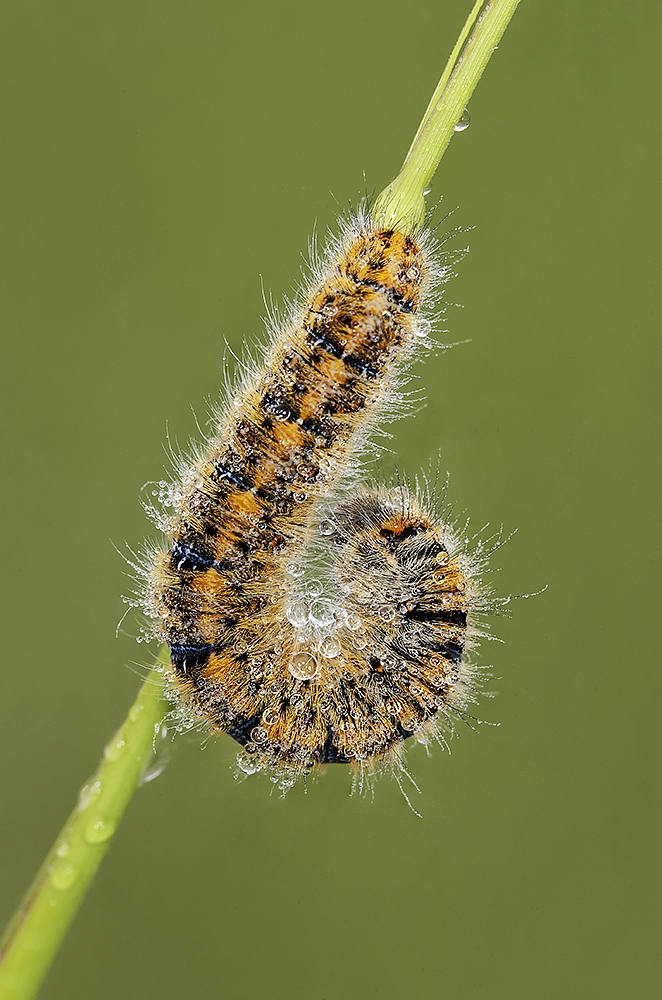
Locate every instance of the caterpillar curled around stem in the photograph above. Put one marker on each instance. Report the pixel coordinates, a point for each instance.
(303, 670)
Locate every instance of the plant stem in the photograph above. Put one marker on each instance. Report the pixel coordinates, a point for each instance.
(38, 928)
(402, 203)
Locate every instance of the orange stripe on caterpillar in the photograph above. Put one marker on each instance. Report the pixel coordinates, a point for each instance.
(298, 674)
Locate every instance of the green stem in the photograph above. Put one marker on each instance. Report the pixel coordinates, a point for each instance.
(402, 203)
(38, 928)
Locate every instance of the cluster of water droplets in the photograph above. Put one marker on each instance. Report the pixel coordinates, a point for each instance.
(323, 626)
(97, 829)
(317, 620)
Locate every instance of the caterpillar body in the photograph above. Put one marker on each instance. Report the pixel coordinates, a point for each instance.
(340, 665)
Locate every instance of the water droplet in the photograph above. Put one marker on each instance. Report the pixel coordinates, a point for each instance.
(340, 617)
(134, 712)
(306, 470)
(98, 830)
(88, 794)
(63, 876)
(423, 327)
(327, 528)
(322, 612)
(155, 768)
(162, 747)
(303, 666)
(270, 717)
(330, 646)
(298, 614)
(280, 411)
(114, 750)
(463, 121)
(246, 765)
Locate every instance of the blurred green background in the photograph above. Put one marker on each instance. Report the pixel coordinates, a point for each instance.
(157, 159)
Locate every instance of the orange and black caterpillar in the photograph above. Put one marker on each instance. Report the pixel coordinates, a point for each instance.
(342, 666)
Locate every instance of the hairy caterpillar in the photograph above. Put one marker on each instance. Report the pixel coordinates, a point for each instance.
(344, 664)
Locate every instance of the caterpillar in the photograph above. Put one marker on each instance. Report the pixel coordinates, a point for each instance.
(315, 619)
